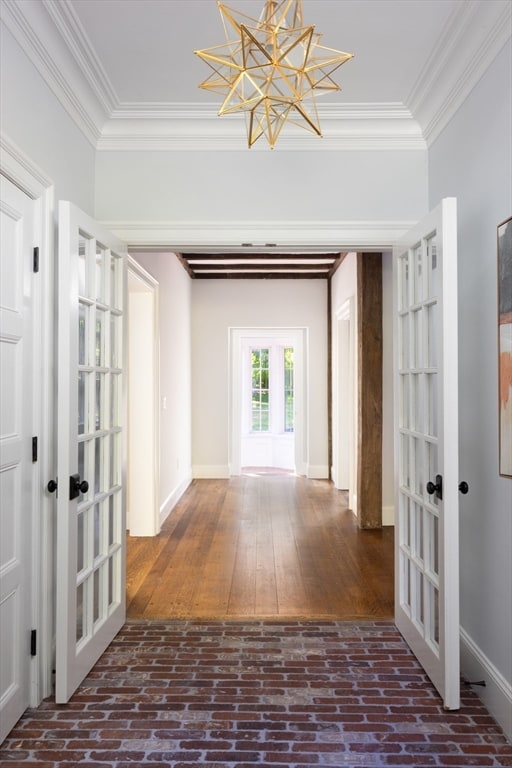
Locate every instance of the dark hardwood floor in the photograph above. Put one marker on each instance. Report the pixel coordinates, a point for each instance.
(261, 546)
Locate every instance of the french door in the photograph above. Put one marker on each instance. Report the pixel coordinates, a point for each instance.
(426, 447)
(91, 454)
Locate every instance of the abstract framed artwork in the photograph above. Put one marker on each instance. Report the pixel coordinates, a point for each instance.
(505, 346)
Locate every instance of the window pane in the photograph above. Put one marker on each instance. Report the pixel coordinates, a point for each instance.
(82, 402)
(288, 390)
(96, 596)
(80, 612)
(100, 338)
(100, 273)
(81, 542)
(418, 274)
(260, 379)
(83, 340)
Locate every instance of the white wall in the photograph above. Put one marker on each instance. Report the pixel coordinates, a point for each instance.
(33, 118)
(274, 186)
(143, 482)
(344, 287)
(218, 305)
(175, 368)
(472, 160)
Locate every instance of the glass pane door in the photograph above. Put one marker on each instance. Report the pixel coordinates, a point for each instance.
(418, 383)
(91, 500)
(99, 442)
(426, 447)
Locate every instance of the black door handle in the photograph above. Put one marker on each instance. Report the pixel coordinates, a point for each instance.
(52, 486)
(77, 486)
(436, 487)
(463, 487)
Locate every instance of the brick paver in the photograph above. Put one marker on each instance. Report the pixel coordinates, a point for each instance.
(236, 695)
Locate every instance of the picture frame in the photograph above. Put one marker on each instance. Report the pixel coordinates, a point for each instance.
(504, 250)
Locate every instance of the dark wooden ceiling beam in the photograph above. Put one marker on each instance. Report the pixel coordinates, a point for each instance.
(270, 266)
(184, 263)
(337, 264)
(272, 275)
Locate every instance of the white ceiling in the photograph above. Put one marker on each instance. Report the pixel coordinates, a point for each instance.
(146, 46)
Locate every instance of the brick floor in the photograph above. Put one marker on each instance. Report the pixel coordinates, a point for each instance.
(276, 694)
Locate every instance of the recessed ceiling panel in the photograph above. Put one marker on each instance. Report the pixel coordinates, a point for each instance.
(146, 46)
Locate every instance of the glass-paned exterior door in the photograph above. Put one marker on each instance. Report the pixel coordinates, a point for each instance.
(426, 443)
(91, 504)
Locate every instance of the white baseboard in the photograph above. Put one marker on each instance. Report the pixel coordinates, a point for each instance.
(318, 472)
(388, 515)
(497, 694)
(210, 471)
(173, 498)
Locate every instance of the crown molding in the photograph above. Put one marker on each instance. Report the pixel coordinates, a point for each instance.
(15, 164)
(35, 31)
(231, 236)
(70, 28)
(474, 35)
(207, 110)
(196, 127)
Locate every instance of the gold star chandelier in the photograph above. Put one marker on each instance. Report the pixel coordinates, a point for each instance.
(272, 69)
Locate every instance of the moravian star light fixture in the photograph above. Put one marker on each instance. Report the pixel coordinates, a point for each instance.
(272, 69)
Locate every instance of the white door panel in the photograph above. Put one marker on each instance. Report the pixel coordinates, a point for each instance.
(426, 447)
(91, 522)
(17, 212)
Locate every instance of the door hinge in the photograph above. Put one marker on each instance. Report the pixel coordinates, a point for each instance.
(33, 642)
(34, 450)
(35, 265)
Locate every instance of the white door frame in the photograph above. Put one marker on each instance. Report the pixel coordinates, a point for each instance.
(345, 401)
(19, 169)
(237, 336)
(143, 468)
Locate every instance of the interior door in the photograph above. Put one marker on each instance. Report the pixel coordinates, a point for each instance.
(426, 441)
(16, 466)
(91, 451)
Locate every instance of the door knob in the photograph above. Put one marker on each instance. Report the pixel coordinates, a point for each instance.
(77, 486)
(436, 487)
(52, 486)
(463, 487)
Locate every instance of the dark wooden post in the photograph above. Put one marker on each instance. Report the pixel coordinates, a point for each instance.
(369, 334)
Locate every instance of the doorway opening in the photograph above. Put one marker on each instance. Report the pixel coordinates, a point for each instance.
(268, 400)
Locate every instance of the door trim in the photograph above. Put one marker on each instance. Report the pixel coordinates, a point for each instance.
(151, 474)
(20, 169)
(344, 401)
